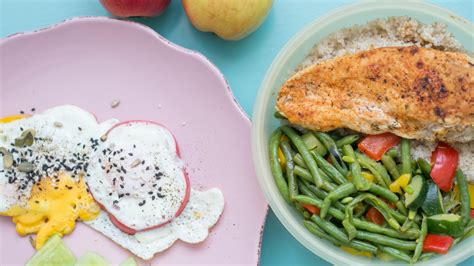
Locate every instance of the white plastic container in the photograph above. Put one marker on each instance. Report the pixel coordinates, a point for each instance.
(288, 59)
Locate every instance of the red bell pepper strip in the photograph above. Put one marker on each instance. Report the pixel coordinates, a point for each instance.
(437, 243)
(444, 162)
(375, 146)
(312, 209)
(374, 216)
(472, 213)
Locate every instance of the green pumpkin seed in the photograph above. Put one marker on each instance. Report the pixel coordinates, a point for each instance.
(26, 167)
(26, 139)
(7, 158)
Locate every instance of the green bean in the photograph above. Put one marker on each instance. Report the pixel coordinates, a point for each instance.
(289, 166)
(406, 156)
(275, 165)
(381, 206)
(323, 194)
(333, 151)
(330, 170)
(299, 160)
(407, 225)
(303, 173)
(357, 179)
(360, 209)
(331, 229)
(391, 166)
(426, 256)
(401, 207)
(339, 193)
(301, 147)
(395, 253)
(376, 168)
(347, 200)
(385, 240)
(306, 175)
(397, 216)
(347, 140)
(360, 224)
(463, 196)
(421, 240)
(305, 190)
(279, 115)
(425, 167)
(359, 245)
(315, 230)
(468, 232)
(383, 192)
(392, 153)
(375, 228)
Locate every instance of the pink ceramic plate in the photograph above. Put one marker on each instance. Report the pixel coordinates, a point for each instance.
(90, 62)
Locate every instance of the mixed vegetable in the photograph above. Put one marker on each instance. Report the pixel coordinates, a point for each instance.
(369, 196)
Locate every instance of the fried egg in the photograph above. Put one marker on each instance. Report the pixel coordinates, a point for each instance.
(138, 177)
(125, 180)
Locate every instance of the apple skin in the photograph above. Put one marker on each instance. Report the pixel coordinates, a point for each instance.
(135, 8)
(228, 19)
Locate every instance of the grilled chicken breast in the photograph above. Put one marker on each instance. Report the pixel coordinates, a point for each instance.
(413, 92)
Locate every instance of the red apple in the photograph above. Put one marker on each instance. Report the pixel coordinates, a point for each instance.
(135, 8)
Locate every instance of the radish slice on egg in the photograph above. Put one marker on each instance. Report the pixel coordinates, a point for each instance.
(138, 177)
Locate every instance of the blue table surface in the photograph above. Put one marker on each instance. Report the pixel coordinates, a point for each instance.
(243, 63)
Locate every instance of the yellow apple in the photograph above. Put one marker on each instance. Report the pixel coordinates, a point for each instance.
(229, 19)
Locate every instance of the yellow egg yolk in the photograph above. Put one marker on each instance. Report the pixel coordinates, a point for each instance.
(54, 205)
(53, 208)
(12, 118)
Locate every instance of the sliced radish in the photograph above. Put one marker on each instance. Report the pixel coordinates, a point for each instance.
(144, 195)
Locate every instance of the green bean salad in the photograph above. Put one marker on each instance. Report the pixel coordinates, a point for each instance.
(367, 195)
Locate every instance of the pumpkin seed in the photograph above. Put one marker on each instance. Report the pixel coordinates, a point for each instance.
(26, 167)
(26, 139)
(7, 158)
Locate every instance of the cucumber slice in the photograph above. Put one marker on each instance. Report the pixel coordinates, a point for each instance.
(129, 262)
(446, 224)
(91, 259)
(414, 200)
(434, 200)
(312, 143)
(54, 252)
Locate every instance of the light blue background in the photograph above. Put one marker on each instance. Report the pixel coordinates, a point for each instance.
(243, 63)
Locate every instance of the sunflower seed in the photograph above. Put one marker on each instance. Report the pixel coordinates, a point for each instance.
(136, 163)
(58, 124)
(26, 167)
(7, 158)
(115, 103)
(32, 241)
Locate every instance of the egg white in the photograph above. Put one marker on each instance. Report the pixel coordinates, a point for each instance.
(201, 213)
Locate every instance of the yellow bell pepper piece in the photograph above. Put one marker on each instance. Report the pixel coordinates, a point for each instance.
(471, 195)
(368, 176)
(356, 252)
(401, 183)
(281, 158)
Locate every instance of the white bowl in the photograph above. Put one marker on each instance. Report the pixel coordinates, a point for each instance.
(289, 58)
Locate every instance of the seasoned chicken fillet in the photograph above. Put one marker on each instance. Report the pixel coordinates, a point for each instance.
(413, 92)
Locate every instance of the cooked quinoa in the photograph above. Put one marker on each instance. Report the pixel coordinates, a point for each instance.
(395, 31)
